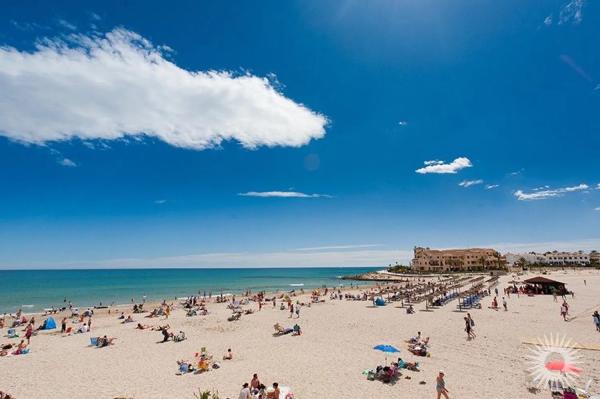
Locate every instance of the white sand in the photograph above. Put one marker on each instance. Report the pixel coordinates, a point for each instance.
(326, 361)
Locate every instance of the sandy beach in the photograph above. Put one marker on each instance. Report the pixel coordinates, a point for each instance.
(327, 360)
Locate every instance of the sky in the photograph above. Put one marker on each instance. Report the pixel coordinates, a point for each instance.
(295, 133)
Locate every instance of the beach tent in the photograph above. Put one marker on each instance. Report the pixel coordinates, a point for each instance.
(546, 285)
(50, 324)
(380, 302)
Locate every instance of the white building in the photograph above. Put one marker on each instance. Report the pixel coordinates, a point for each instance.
(567, 258)
(554, 258)
(530, 258)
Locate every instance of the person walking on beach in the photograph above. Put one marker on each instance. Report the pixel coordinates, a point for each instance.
(291, 310)
(472, 323)
(298, 312)
(440, 386)
(63, 325)
(468, 329)
(504, 304)
(89, 323)
(596, 317)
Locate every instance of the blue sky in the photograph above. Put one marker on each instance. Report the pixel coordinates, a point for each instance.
(296, 133)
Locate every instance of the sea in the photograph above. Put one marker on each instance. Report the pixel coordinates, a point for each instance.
(35, 290)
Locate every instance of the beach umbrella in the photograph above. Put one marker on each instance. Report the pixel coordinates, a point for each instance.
(386, 349)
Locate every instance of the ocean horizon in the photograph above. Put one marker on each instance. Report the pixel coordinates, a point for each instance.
(35, 290)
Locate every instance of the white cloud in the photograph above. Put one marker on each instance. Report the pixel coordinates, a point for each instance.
(66, 24)
(436, 166)
(403, 123)
(120, 84)
(491, 186)
(67, 162)
(548, 20)
(160, 202)
(597, 208)
(355, 246)
(548, 193)
(469, 183)
(571, 12)
(282, 194)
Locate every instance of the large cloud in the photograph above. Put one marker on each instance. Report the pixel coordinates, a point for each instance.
(107, 87)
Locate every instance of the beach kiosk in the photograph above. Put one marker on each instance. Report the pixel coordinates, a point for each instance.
(546, 286)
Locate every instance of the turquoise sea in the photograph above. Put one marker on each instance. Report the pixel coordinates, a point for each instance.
(34, 290)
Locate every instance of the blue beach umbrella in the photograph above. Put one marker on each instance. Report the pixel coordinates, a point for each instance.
(386, 349)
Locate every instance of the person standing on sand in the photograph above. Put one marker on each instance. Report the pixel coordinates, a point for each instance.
(28, 333)
(504, 304)
(291, 310)
(245, 392)
(89, 324)
(440, 386)
(564, 309)
(596, 317)
(63, 325)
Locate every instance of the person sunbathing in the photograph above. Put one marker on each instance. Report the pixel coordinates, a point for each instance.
(21, 348)
(419, 350)
(141, 326)
(160, 328)
(185, 366)
(180, 336)
(413, 366)
(104, 341)
(414, 340)
(281, 331)
(129, 319)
